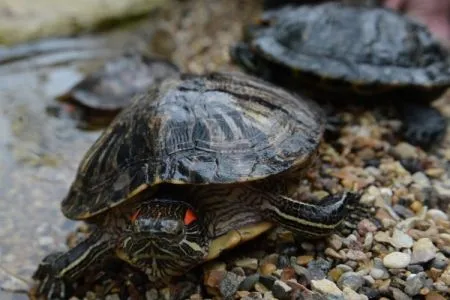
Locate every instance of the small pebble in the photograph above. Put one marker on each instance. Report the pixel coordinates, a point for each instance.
(423, 251)
(303, 260)
(356, 255)
(318, 268)
(396, 260)
(399, 295)
(327, 288)
(440, 261)
(401, 239)
(229, 285)
(281, 290)
(405, 151)
(437, 215)
(267, 281)
(350, 294)
(335, 242)
(352, 280)
(415, 283)
(267, 268)
(247, 263)
(248, 283)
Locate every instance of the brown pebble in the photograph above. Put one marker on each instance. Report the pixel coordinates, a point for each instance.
(267, 268)
(196, 297)
(303, 260)
(435, 172)
(287, 274)
(416, 206)
(434, 296)
(434, 273)
(332, 253)
(214, 277)
(242, 294)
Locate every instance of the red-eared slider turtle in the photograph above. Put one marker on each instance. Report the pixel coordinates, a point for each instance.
(97, 99)
(334, 51)
(197, 165)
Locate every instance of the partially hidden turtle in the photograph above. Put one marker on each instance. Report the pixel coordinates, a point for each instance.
(97, 98)
(197, 165)
(339, 52)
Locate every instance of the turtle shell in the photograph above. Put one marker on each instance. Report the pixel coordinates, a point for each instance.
(118, 80)
(216, 128)
(358, 45)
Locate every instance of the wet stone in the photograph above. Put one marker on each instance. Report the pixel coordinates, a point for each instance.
(415, 283)
(423, 251)
(281, 290)
(319, 268)
(352, 280)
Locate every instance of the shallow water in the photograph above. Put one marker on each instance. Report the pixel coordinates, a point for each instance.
(39, 154)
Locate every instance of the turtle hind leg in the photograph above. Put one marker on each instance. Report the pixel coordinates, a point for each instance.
(58, 269)
(309, 220)
(423, 125)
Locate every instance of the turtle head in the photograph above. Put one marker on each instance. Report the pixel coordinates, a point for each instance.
(165, 239)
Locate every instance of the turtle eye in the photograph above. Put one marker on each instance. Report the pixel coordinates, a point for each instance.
(189, 217)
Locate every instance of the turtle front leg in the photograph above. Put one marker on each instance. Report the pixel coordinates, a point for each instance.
(58, 269)
(423, 125)
(310, 220)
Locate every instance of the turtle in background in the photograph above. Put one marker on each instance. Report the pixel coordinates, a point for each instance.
(96, 100)
(336, 52)
(193, 167)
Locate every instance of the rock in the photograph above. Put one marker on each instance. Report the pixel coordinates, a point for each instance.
(356, 255)
(405, 151)
(267, 268)
(442, 189)
(371, 293)
(247, 263)
(415, 269)
(440, 261)
(318, 268)
(303, 260)
(335, 241)
(437, 215)
(327, 288)
(401, 240)
(287, 274)
(304, 276)
(423, 251)
(229, 285)
(421, 179)
(378, 273)
(151, 294)
(335, 274)
(248, 283)
(434, 296)
(365, 226)
(445, 277)
(281, 290)
(415, 283)
(267, 281)
(399, 295)
(396, 260)
(352, 280)
(350, 294)
(333, 253)
(403, 211)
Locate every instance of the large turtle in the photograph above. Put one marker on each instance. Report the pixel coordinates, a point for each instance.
(197, 165)
(336, 52)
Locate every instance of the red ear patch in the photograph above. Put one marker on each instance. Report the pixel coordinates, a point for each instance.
(189, 217)
(134, 216)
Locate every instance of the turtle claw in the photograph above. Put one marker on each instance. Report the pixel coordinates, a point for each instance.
(49, 285)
